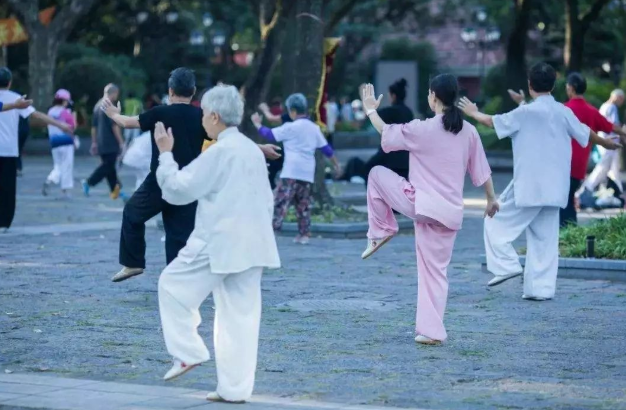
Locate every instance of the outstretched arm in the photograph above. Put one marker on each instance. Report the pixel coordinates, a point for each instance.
(114, 113)
(604, 142)
(46, 119)
(268, 114)
(471, 110)
(19, 104)
(370, 104)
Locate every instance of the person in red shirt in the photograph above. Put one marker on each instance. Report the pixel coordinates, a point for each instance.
(589, 115)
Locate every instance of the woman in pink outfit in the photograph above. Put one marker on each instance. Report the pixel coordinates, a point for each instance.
(441, 150)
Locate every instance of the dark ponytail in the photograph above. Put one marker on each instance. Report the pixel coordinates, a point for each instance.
(399, 89)
(446, 90)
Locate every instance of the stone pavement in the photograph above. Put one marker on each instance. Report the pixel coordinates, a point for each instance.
(335, 329)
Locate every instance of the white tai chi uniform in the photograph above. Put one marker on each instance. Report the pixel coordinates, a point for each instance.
(609, 164)
(232, 242)
(62, 149)
(542, 152)
(138, 157)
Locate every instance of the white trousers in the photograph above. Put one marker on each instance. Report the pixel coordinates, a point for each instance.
(541, 225)
(63, 171)
(609, 165)
(183, 286)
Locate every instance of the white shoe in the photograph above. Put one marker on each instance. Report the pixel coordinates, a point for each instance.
(373, 245)
(535, 298)
(214, 397)
(302, 240)
(178, 369)
(501, 279)
(426, 340)
(126, 273)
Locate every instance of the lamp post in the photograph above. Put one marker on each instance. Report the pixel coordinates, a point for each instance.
(481, 39)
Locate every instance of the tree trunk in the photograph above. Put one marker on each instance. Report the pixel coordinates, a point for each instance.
(255, 88)
(575, 30)
(574, 38)
(42, 57)
(302, 60)
(515, 71)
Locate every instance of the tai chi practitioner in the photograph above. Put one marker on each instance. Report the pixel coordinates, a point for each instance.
(225, 255)
(441, 151)
(609, 165)
(300, 138)
(542, 153)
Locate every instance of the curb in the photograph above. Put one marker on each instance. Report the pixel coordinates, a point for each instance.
(589, 269)
(347, 230)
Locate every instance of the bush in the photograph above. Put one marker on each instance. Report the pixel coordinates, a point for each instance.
(490, 139)
(610, 239)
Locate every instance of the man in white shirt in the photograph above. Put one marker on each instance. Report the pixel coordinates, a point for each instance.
(609, 165)
(9, 143)
(231, 243)
(542, 153)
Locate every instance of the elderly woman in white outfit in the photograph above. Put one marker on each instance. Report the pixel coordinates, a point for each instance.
(232, 242)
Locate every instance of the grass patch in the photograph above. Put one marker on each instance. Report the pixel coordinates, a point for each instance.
(610, 239)
(329, 214)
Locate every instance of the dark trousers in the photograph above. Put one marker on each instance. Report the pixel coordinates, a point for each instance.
(357, 167)
(144, 204)
(273, 168)
(105, 170)
(567, 215)
(8, 185)
(23, 136)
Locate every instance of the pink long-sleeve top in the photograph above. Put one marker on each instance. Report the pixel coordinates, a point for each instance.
(438, 162)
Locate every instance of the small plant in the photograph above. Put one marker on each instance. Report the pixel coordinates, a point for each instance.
(610, 237)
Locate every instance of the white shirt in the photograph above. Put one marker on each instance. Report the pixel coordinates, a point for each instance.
(332, 113)
(542, 150)
(235, 203)
(300, 139)
(611, 113)
(9, 124)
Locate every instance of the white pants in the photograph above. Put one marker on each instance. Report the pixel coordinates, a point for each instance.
(609, 165)
(541, 225)
(63, 171)
(140, 176)
(183, 286)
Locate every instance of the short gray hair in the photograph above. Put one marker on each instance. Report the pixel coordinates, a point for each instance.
(297, 102)
(225, 101)
(617, 93)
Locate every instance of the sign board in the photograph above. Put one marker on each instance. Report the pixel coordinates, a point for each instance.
(388, 72)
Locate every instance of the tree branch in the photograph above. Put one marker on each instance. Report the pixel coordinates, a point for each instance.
(593, 13)
(65, 20)
(339, 15)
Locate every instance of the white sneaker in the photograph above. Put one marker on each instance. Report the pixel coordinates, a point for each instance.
(535, 298)
(302, 240)
(501, 279)
(126, 273)
(373, 245)
(215, 397)
(178, 369)
(425, 340)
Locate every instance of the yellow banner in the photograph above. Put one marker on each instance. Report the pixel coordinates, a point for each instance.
(12, 32)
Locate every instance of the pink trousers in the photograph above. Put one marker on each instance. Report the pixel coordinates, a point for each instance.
(387, 191)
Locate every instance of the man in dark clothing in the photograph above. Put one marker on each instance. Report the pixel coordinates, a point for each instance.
(274, 167)
(107, 142)
(185, 120)
(23, 133)
(397, 161)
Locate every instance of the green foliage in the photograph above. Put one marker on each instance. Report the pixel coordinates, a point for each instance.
(404, 49)
(84, 71)
(490, 140)
(329, 214)
(610, 239)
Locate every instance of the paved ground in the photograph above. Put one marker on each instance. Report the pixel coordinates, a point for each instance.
(335, 329)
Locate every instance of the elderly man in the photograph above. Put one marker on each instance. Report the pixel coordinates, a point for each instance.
(225, 255)
(147, 202)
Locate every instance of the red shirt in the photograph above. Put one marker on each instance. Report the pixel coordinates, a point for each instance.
(591, 117)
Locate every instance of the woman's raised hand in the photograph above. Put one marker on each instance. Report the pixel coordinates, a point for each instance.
(368, 97)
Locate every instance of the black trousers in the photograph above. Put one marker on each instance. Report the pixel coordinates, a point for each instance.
(567, 215)
(274, 168)
(105, 170)
(8, 186)
(357, 167)
(144, 204)
(23, 136)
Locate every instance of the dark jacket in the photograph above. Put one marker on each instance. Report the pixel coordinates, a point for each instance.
(395, 114)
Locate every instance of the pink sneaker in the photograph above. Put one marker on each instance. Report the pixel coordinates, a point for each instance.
(302, 240)
(178, 369)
